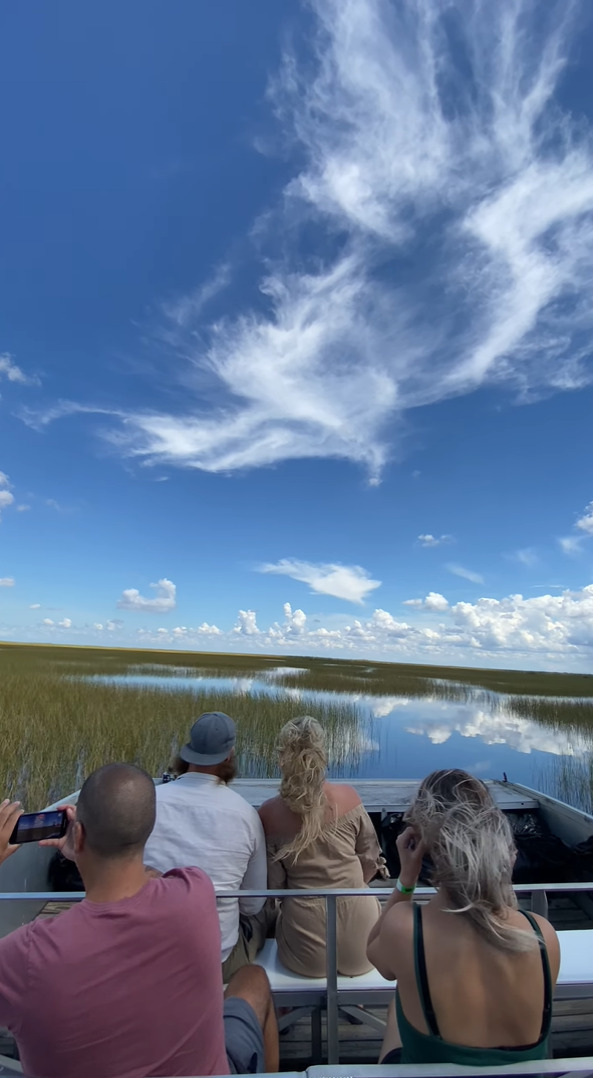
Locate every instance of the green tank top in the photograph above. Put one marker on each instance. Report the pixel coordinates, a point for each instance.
(432, 1048)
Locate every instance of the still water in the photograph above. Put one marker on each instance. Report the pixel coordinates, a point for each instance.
(408, 736)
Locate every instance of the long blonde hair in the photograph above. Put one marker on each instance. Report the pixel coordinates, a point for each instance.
(471, 846)
(303, 762)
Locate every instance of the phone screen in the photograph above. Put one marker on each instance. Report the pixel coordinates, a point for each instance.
(33, 826)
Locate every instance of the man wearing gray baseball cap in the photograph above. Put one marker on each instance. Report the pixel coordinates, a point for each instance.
(201, 821)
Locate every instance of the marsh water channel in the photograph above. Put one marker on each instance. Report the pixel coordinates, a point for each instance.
(543, 743)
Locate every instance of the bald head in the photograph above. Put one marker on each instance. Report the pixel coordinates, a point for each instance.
(117, 808)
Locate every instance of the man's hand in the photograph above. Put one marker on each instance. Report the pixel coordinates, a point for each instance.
(9, 814)
(65, 844)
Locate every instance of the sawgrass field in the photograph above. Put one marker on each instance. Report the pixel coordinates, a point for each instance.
(57, 724)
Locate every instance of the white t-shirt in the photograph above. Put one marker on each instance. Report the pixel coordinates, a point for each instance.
(201, 821)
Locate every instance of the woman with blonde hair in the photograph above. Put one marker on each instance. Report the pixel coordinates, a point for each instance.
(475, 975)
(318, 835)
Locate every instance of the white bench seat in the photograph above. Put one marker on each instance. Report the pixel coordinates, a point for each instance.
(575, 977)
(283, 981)
(308, 994)
(576, 964)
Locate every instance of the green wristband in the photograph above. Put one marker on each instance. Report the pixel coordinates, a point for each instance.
(404, 890)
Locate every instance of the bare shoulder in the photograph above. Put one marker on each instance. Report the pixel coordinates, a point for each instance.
(400, 918)
(342, 795)
(394, 941)
(552, 943)
(269, 811)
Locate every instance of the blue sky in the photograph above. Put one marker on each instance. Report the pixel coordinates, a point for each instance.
(295, 337)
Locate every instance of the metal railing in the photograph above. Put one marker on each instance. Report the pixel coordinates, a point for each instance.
(573, 1067)
(536, 890)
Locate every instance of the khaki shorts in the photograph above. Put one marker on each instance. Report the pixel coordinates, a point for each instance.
(252, 936)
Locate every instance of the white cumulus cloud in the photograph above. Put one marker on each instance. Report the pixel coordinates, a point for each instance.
(6, 582)
(348, 582)
(553, 632)
(164, 600)
(295, 620)
(433, 601)
(246, 623)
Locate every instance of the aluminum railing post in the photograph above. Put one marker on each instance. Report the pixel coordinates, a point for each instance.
(539, 903)
(331, 953)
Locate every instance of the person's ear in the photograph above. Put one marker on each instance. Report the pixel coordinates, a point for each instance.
(78, 838)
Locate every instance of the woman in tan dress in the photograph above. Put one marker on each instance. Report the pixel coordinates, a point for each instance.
(318, 835)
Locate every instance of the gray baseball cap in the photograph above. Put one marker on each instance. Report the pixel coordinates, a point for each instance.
(211, 739)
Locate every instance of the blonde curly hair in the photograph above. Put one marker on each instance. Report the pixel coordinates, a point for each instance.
(302, 757)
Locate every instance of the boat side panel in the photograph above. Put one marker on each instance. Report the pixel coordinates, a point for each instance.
(26, 870)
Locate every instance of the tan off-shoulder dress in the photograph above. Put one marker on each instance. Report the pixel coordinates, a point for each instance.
(344, 853)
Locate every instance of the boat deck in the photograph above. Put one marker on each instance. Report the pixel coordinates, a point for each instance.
(388, 795)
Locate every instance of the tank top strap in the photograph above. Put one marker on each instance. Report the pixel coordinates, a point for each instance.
(547, 1011)
(421, 974)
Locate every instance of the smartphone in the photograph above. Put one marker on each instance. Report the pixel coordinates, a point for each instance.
(33, 826)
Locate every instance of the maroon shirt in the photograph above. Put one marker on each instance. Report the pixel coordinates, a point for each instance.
(124, 989)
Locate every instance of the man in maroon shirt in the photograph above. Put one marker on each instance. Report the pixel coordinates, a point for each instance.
(127, 983)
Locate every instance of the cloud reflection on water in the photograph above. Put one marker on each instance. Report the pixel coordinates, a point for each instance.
(502, 728)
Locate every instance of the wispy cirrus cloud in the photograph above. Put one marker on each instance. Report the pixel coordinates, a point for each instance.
(13, 373)
(6, 495)
(583, 526)
(585, 523)
(418, 125)
(466, 574)
(164, 600)
(186, 310)
(42, 416)
(526, 556)
(6, 582)
(349, 582)
(570, 544)
(434, 540)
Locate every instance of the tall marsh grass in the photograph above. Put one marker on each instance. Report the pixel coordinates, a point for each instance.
(56, 725)
(56, 728)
